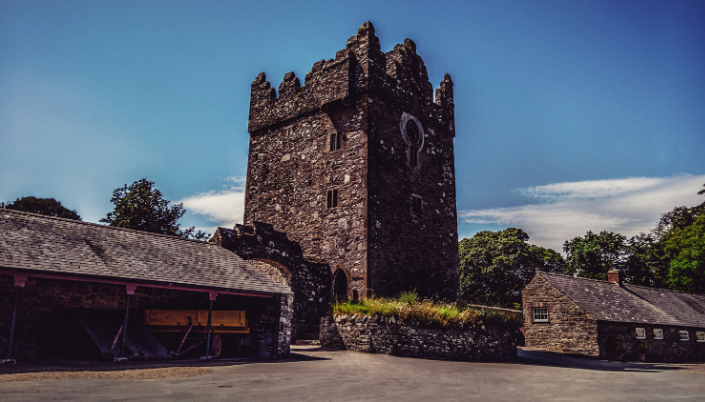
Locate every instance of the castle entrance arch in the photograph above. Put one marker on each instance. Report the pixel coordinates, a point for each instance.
(278, 272)
(340, 286)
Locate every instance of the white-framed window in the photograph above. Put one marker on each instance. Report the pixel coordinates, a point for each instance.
(539, 314)
(658, 333)
(700, 336)
(640, 333)
(684, 335)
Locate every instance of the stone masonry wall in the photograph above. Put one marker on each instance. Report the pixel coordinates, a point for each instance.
(371, 235)
(46, 325)
(568, 330)
(669, 349)
(387, 335)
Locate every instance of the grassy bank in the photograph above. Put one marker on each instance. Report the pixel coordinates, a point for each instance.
(408, 307)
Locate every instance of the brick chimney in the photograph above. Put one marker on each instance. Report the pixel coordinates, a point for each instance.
(615, 276)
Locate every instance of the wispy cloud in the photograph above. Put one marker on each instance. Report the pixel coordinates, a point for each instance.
(224, 207)
(566, 210)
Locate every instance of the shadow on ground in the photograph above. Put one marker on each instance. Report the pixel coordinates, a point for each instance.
(540, 358)
(73, 365)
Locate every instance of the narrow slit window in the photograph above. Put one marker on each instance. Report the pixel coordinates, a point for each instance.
(413, 156)
(539, 314)
(335, 141)
(332, 198)
(416, 205)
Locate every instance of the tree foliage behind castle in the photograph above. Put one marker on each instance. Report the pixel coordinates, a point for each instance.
(44, 206)
(672, 256)
(142, 207)
(495, 266)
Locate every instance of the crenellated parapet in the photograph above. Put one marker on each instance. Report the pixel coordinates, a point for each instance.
(398, 76)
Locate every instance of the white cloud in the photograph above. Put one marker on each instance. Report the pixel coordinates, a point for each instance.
(627, 206)
(224, 207)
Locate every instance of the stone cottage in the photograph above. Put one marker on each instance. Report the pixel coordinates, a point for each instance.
(613, 320)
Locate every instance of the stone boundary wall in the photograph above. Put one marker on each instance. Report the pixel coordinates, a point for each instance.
(476, 342)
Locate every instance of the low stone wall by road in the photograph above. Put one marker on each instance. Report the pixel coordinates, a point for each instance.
(387, 335)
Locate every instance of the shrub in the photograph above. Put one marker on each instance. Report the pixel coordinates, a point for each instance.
(408, 308)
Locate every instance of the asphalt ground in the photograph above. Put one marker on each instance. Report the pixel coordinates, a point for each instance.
(319, 374)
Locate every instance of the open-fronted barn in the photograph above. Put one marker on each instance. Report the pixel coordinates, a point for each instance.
(76, 289)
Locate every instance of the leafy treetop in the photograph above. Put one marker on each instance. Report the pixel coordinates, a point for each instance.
(141, 206)
(44, 206)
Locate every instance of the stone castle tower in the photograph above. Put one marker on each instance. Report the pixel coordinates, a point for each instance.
(357, 166)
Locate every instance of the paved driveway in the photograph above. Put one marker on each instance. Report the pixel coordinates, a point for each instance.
(316, 374)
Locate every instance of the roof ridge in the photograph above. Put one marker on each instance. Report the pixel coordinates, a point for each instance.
(664, 289)
(75, 221)
(574, 277)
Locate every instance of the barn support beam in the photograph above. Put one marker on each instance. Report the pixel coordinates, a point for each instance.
(129, 290)
(211, 296)
(20, 281)
(276, 326)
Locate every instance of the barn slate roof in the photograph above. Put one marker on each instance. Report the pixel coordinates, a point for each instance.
(47, 244)
(607, 301)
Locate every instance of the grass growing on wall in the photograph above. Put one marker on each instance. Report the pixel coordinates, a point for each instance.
(408, 307)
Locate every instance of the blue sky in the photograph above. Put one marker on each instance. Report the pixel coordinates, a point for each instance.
(570, 115)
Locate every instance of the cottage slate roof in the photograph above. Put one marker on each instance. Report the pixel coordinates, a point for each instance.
(606, 301)
(35, 242)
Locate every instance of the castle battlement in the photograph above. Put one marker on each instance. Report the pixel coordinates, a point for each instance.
(360, 69)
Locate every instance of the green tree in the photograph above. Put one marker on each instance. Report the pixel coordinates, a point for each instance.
(684, 249)
(44, 206)
(644, 263)
(681, 234)
(592, 255)
(141, 206)
(547, 259)
(495, 266)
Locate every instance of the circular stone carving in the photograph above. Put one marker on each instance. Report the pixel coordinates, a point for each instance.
(412, 131)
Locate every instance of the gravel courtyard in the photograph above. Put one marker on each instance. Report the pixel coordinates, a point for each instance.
(316, 374)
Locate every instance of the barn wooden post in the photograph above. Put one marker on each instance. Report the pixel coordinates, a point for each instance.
(211, 296)
(20, 281)
(276, 326)
(129, 290)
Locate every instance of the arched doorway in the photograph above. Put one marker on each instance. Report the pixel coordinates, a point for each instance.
(340, 286)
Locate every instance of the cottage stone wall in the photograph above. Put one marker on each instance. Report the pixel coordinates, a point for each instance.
(372, 236)
(669, 349)
(478, 342)
(569, 328)
(46, 325)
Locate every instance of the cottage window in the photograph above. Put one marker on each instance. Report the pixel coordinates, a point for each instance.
(658, 333)
(700, 336)
(539, 314)
(640, 333)
(335, 142)
(332, 198)
(684, 335)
